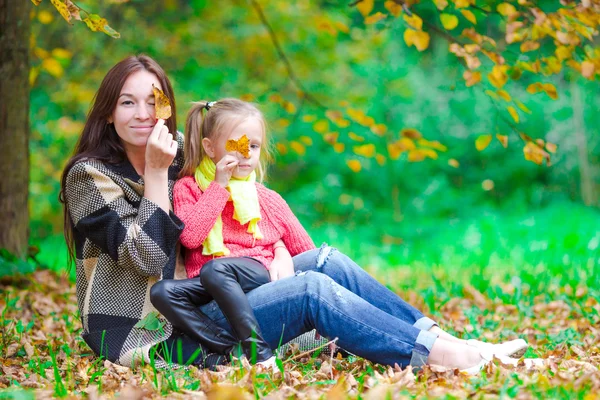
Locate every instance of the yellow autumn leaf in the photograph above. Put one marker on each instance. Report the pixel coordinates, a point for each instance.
(487, 185)
(281, 149)
(433, 144)
(534, 153)
(453, 163)
(372, 19)
(321, 126)
(419, 39)
(62, 9)
(588, 69)
(563, 52)
(298, 147)
(506, 9)
(380, 159)
(36, 2)
(522, 106)
(482, 142)
(162, 106)
(472, 77)
(289, 107)
(241, 145)
(331, 137)
(354, 165)
(529, 45)
(462, 3)
(469, 16)
(551, 147)
(283, 122)
(411, 133)
(365, 7)
(62, 53)
(45, 17)
(53, 67)
(333, 114)
(309, 118)
(339, 147)
(393, 8)
(416, 155)
(498, 76)
(307, 140)
(97, 23)
(513, 113)
(355, 137)
(449, 21)
(503, 94)
(503, 139)
(379, 129)
(355, 114)
(414, 21)
(441, 4)
(547, 88)
(365, 150)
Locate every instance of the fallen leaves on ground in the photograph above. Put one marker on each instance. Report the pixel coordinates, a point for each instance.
(41, 351)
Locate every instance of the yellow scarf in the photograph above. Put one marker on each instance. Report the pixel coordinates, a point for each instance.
(245, 204)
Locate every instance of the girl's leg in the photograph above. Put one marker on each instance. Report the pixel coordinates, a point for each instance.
(292, 306)
(179, 301)
(227, 280)
(348, 274)
(183, 350)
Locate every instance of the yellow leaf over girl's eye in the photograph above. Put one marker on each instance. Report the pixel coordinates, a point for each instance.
(482, 142)
(449, 21)
(162, 105)
(241, 145)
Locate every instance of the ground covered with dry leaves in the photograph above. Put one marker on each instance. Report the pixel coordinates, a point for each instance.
(43, 356)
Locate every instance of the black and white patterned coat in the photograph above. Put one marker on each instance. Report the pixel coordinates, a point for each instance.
(124, 244)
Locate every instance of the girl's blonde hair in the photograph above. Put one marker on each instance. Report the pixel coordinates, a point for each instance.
(211, 119)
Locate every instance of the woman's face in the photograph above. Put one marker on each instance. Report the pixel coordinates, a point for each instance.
(133, 116)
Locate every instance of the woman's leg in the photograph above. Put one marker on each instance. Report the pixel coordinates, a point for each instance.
(347, 273)
(227, 280)
(292, 306)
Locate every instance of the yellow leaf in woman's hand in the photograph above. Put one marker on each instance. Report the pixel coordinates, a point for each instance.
(162, 105)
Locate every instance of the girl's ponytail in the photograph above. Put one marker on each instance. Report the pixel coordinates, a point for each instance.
(194, 151)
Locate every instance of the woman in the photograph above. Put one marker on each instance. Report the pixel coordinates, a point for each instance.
(117, 192)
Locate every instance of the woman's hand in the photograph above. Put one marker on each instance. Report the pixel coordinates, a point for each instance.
(282, 265)
(161, 149)
(225, 168)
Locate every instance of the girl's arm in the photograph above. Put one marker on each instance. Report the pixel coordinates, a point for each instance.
(139, 238)
(282, 265)
(198, 210)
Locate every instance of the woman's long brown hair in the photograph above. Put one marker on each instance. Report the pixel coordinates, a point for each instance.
(99, 140)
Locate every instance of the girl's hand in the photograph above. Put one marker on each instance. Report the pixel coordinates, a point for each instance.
(225, 168)
(282, 265)
(161, 149)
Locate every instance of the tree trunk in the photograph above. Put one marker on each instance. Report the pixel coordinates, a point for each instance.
(14, 125)
(586, 179)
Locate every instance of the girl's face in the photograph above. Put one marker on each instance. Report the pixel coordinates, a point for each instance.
(133, 115)
(253, 129)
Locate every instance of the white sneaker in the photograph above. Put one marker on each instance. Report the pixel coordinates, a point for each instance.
(487, 356)
(513, 348)
(269, 363)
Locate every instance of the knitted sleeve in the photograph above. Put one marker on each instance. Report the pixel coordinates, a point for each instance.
(293, 234)
(139, 238)
(197, 210)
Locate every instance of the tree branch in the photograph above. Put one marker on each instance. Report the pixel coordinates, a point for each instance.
(282, 56)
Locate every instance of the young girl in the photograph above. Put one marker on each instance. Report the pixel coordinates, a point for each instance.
(233, 224)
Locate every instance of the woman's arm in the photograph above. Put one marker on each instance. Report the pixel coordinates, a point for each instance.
(139, 238)
(198, 211)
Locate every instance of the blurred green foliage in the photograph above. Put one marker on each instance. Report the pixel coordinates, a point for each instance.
(212, 51)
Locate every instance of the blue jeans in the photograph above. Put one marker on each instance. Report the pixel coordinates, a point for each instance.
(332, 294)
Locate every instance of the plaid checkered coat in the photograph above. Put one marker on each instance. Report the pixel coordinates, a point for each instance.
(124, 243)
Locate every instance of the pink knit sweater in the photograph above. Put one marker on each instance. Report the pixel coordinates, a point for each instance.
(199, 211)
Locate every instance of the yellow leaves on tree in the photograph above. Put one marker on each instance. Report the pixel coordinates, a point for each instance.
(354, 165)
(162, 105)
(469, 16)
(97, 23)
(393, 8)
(410, 133)
(419, 39)
(298, 147)
(372, 19)
(482, 142)
(503, 139)
(507, 10)
(529, 46)
(69, 10)
(513, 113)
(414, 21)
(547, 88)
(396, 148)
(472, 77)
(498, 76)
(449, 21)
(365, 7)
(588, 69)
(365, 150)
(441, 4)
(535, 153)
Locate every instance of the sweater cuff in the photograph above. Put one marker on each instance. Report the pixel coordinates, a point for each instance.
(164, 229)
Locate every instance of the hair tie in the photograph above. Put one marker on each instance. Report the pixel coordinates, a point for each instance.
(209, 105)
